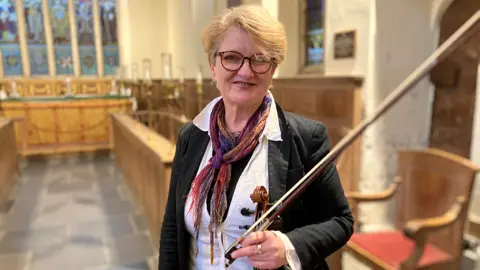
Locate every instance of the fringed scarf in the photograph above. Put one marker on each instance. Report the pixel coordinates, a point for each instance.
(227, 150)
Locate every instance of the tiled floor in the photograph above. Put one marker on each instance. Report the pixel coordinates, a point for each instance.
(73, 214)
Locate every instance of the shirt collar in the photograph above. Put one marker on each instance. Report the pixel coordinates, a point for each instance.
(272, 126)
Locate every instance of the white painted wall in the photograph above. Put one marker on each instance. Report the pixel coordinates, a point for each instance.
(150, 27)
(289, 14)
(346, 15)
(143, 27)
(475, 151)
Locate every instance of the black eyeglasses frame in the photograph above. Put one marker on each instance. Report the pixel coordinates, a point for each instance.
(272, 62)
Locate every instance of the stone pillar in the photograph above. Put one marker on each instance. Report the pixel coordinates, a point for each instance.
(98, 38)
(407, 124)
(77, 69)
(124, 33)
(49, 38)
(289, 14)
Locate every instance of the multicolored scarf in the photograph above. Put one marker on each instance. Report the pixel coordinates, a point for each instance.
(227, 150)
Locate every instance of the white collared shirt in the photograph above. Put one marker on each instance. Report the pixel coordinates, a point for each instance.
(254, 174)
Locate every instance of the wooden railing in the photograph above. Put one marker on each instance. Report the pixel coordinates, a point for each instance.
(164, 123)
(145, 158)
(9, 167)
(56, 87)
(63, 126)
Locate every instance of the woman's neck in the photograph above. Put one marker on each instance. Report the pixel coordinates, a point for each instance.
(236, 117)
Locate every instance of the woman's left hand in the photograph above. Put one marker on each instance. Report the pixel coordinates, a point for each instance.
(265, 250)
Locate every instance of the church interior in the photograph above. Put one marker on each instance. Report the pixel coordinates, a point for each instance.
(94, 93)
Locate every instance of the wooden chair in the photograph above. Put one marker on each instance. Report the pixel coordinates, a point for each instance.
(432, 191)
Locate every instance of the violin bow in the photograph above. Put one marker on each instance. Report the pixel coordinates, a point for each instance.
(463, 33)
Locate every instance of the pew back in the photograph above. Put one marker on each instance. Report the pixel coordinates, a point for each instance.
(146, 159)
(9, 167)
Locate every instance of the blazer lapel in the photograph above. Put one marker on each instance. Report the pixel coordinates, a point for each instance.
(278, 156)
(196, 146)
(193, 157)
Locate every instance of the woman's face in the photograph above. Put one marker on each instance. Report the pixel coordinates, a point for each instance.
(242, 87)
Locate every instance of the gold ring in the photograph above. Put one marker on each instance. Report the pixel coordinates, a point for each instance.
(259, 249)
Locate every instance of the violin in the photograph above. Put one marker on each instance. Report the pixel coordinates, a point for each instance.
(266, 214)
(261, 197)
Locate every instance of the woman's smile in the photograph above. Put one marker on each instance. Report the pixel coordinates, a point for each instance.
(244, 85)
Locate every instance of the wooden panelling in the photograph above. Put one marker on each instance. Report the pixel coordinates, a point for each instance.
(9, 167)
(335, 101)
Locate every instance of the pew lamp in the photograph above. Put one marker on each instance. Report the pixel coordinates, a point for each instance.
(144, 90)
(14, 93)
(147, 71)
(166, 59)
(123, 77)
(68, 92)
(3, 93)
(180, 87)
(134, 73)
(114, 90)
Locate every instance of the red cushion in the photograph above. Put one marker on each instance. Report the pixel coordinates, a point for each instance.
(393, 248)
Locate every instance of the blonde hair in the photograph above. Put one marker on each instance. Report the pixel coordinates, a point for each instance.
(267, 32)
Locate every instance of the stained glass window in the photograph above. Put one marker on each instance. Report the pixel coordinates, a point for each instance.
(58, 16)
(314, 21)
(108, 21)
(86, 37)
(62, 39)
(35, 32)
(9, 42)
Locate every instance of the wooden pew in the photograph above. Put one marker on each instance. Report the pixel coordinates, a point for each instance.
(9, 167)
(473, 226)
(146, 159)
(432, 190)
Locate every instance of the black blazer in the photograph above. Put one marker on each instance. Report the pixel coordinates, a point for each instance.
(318, 223)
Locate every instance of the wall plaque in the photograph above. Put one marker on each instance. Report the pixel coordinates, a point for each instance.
(344, 45)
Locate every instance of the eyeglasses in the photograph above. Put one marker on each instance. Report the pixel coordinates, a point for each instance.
(233, 61)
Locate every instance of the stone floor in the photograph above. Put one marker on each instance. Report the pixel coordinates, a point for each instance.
(73, 214)
(76, 213)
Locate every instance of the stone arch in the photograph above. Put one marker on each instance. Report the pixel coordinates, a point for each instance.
(455, 83)
(439, 7)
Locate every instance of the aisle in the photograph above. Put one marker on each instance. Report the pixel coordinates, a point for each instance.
(73, 214)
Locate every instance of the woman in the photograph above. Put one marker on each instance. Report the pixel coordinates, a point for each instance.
(241, 140)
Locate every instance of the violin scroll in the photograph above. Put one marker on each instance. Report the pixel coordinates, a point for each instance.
(260, 195)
